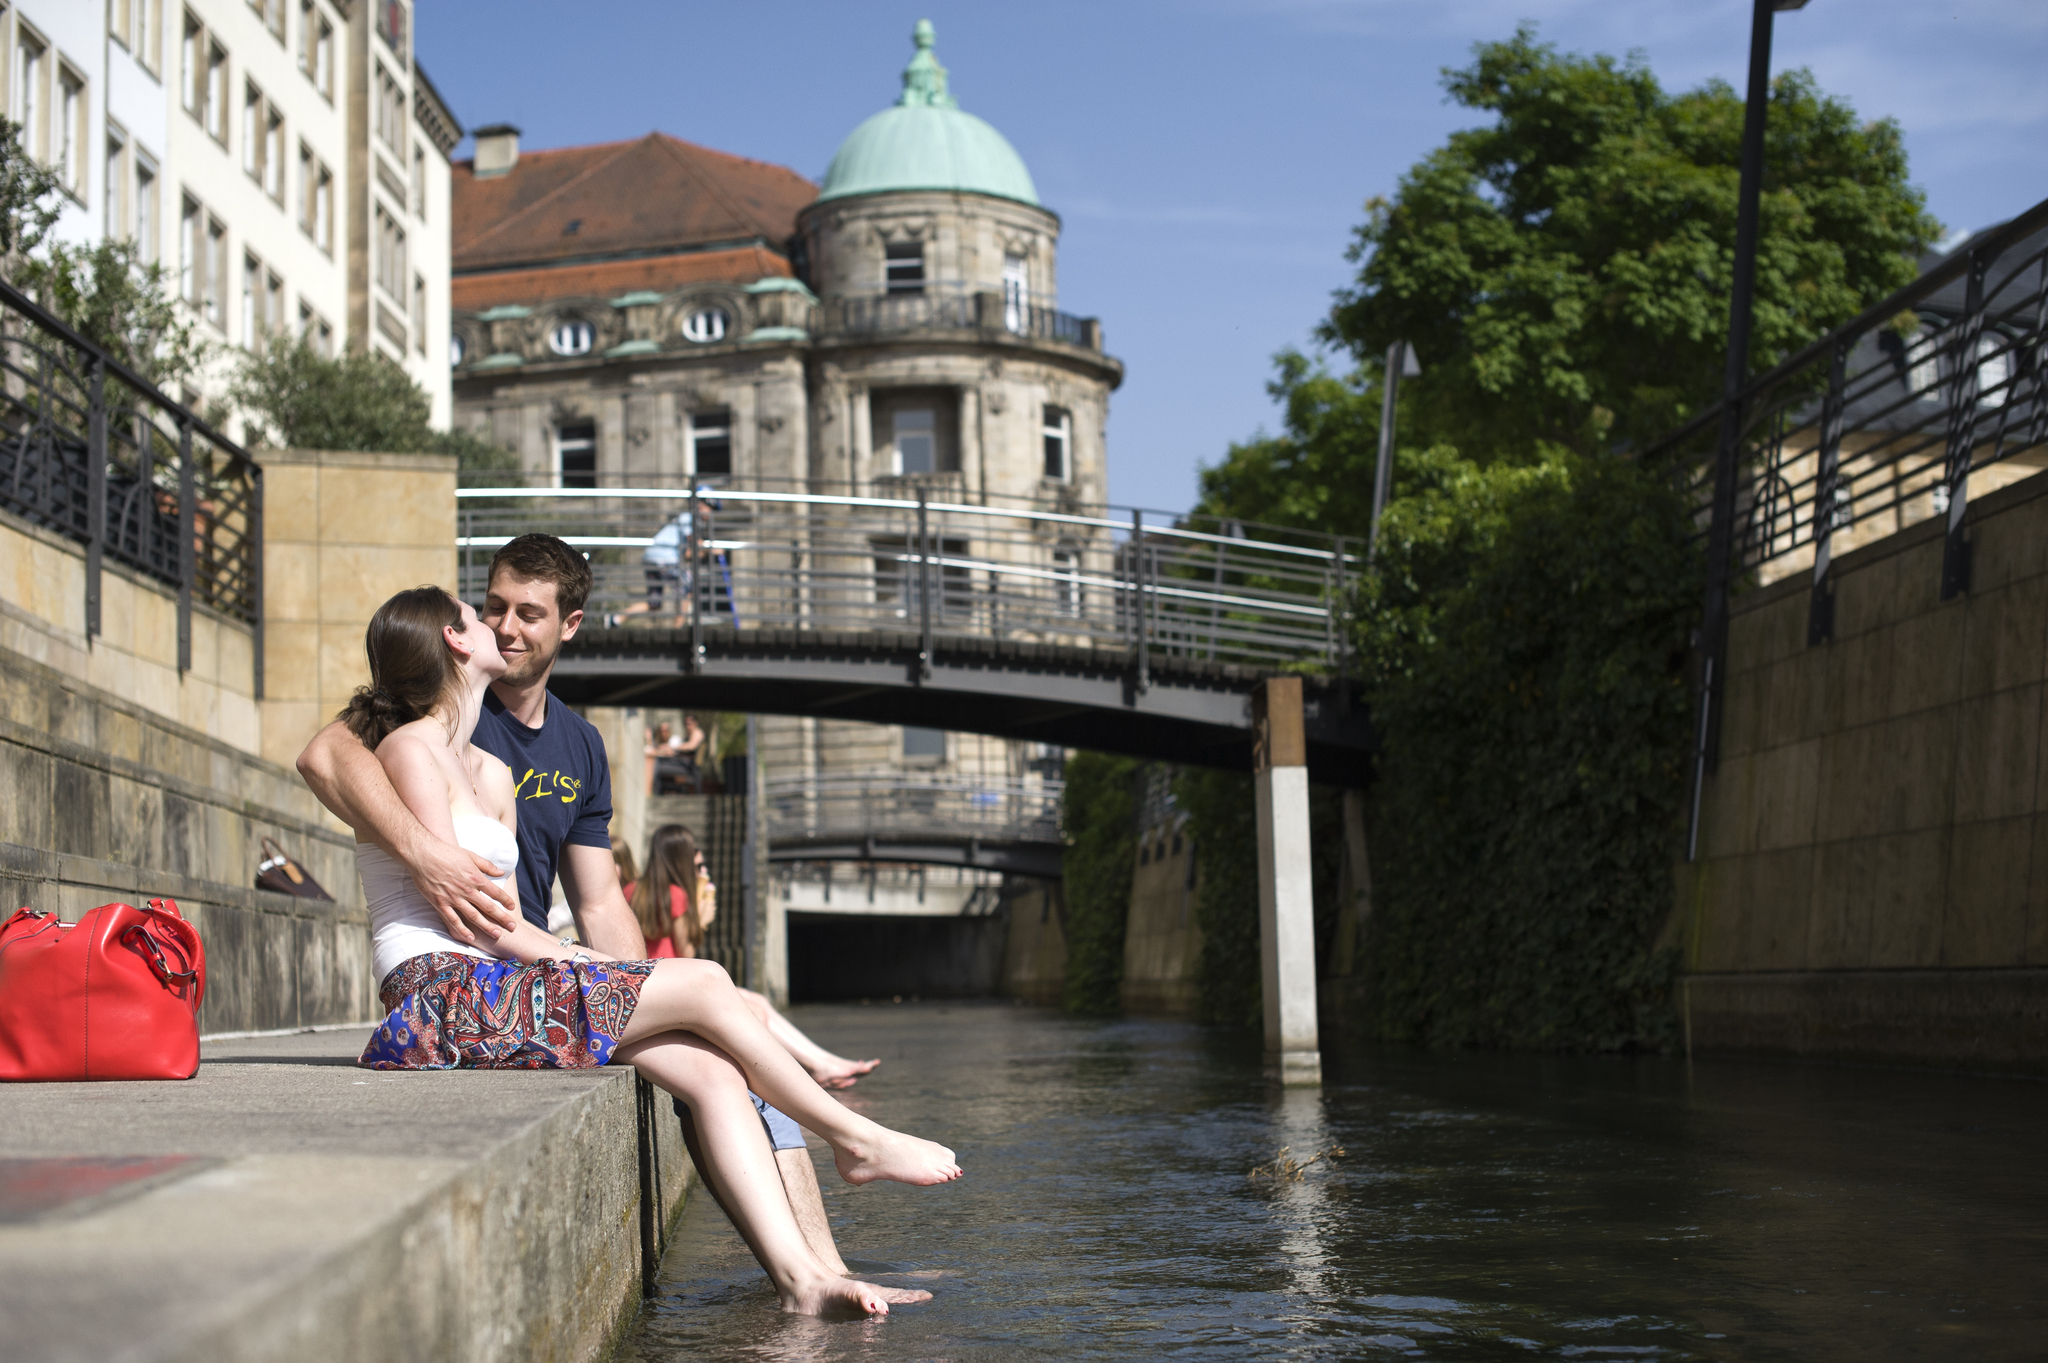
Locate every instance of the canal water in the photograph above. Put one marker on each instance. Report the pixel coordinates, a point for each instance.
(1484, 1206)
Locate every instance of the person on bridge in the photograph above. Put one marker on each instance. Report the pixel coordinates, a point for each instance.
(674, 919)
(453, 875)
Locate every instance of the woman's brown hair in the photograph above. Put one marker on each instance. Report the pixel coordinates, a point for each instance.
(411, 665)
(622, 857)
(671, 860)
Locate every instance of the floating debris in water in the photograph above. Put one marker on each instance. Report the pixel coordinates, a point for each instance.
(1286, 1168)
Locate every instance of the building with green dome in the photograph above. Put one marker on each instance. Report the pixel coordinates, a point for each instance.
(653, 313)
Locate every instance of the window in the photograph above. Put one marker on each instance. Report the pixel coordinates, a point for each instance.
(273, 152)
(1923, 365)
(706, 324)
(419, 182)
(1016, 294)
(419, 313)
(1059, 443)
(1994, 370)
(314, 328)
(572, 337)
(272, 14)
(117, 184)
(202, 260)
(68, 156)
(31, 100)
(316, 198)
(913, 432)
(213, 303)
(316, 47)
(576, 455)
(391, 25)
(252, 130)
(711, 443)
(145, 208)
(903, 267)
(191, 67)
(214, 117)
(1066, 580)
(390, 112)
(137, 25)
(262, 303)
(924, 743)
(119, 16)
(457, 350)
(390, 254)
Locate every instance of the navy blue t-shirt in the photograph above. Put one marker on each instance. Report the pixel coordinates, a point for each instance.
(563, 787)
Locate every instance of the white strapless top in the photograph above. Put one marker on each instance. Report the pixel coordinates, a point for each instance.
(402, 924)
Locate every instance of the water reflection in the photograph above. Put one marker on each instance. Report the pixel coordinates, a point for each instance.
(1486, 1206)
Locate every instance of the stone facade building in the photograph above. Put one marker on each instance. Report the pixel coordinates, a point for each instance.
(657, 314)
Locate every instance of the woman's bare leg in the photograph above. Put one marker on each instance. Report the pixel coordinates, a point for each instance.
(698, 996)
(831, 1071)
(743, 1176)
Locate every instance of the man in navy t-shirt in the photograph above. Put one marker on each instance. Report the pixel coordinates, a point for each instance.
(536, 592)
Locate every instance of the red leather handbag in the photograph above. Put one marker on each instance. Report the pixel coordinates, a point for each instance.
(113, 996)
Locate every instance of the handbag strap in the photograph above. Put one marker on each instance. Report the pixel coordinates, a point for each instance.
(144, 941)
(271, 849)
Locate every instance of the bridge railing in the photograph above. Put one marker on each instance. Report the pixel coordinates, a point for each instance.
(927, 560)
(92, 451)
(831, 807)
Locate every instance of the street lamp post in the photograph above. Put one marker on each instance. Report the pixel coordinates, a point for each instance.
(1401, 363)
(1721, 529)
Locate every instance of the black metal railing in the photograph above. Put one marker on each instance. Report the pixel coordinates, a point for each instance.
(815, 808)
(758, 554)
(1936, 395)
(93, 451)
(954, 310)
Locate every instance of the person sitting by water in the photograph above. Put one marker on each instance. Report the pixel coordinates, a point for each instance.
(664, 762)
(527, 1001)
(675, 903)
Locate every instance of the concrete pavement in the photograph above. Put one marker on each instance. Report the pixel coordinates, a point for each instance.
(326, 1212)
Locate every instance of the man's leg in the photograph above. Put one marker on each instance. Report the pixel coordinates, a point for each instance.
(799, 1179)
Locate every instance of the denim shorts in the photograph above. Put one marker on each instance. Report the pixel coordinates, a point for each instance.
(783, 1134)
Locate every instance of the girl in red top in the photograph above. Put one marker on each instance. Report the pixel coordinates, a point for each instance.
(673, 919)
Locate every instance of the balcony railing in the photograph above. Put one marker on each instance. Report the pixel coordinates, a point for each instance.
(852, 807)
(944, 310)
(91, 450)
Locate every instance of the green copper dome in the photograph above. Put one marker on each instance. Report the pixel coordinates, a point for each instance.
(926, 142)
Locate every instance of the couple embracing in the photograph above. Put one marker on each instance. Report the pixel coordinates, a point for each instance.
(461, 778)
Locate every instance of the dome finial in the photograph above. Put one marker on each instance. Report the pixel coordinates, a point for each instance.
(924, 80)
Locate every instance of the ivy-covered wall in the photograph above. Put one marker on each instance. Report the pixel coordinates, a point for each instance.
(1099, 824)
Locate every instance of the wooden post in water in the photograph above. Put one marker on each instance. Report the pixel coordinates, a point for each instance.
(1287, 926)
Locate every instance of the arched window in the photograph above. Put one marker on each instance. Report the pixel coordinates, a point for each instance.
(706, 325)
(572, 337)
(456, 350)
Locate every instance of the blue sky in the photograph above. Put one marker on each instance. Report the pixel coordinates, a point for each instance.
(1209, 157)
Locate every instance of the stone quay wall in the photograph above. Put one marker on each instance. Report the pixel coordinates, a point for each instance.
(1872, 877)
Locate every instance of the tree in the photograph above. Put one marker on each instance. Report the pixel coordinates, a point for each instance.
(29, 198)
(294, 397)
(1317, 473)
(108, 294)
(1563, 271)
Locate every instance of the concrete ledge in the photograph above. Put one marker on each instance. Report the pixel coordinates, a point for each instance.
(343, 1214)
(1990, 1020)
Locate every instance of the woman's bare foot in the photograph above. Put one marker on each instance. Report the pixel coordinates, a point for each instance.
(836, 1072)
(838, 1296)
(896, 1157)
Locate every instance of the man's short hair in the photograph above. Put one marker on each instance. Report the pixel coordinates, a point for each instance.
(543, 558)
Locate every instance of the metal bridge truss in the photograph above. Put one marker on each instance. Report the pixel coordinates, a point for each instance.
(1088, 626)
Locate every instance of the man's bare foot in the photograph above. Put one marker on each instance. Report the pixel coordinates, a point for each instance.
(896, 1157)
(836, 1072)
(841, 1296)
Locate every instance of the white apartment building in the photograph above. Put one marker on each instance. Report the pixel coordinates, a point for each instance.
(286, 159)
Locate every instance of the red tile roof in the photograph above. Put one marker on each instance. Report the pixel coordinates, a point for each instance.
(654, 194)
(613, 278)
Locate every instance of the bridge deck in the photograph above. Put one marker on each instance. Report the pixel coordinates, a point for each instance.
(1193, 710)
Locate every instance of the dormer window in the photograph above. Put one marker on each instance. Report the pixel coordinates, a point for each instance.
(903, 267)
(573, 337)
(706, 325)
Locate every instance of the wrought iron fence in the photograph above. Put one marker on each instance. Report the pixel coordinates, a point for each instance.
(94, 452)
(1934, 396)
(1145, 585)
(821, 807)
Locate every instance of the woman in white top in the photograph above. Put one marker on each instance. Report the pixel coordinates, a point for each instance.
(528, 1001)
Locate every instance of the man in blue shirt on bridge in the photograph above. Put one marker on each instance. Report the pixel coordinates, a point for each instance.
(535, 597)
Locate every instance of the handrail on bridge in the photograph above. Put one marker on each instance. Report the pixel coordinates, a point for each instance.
(1013, 809)
(752, 556)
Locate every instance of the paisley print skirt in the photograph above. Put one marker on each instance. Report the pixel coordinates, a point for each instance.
(452, 1011)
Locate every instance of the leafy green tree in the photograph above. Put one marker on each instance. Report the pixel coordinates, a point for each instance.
(121, 303)
(294, 397)
(1563, 271)
(1317, 473)
(29, 198)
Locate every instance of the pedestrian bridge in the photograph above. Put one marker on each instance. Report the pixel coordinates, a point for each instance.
(992, 824)
(1085, 626)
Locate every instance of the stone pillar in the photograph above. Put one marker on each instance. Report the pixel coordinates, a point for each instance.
(1287, 926)
(767, 921)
